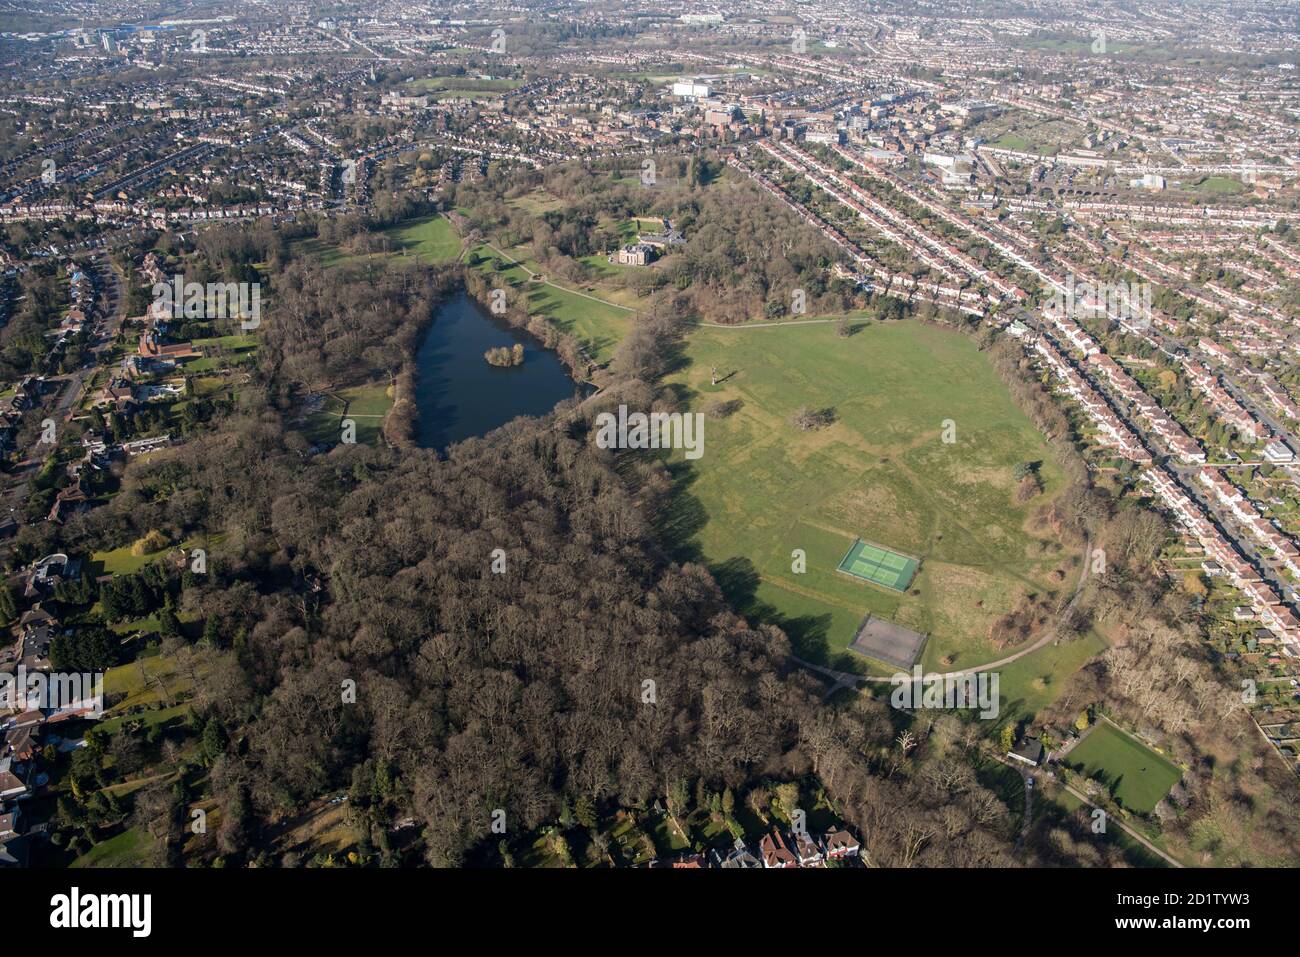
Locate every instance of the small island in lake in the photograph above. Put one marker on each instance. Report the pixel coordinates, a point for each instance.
(503, 356)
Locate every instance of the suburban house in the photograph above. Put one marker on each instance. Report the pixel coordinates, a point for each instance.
(807, 851)
(50, 571)
(12, 787)
(774, 851)
(13, 846)
(840, 844)
(1029, 751)
(738, 857)
(22, 743)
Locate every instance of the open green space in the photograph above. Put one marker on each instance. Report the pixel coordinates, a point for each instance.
(367, 405)
(467, 87)
(149, 681)
(429, 239)
(147, 719)
(598, 324)
(1219, 186)
(1032, 683)
(222, 352)
(535, 202)
(1137, 776)
(881, 471)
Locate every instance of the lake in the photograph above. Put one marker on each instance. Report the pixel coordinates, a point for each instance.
(458, 395)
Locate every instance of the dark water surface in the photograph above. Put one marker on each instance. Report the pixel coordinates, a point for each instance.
(458, 395)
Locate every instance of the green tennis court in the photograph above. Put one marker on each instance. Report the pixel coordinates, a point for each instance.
(880, 566)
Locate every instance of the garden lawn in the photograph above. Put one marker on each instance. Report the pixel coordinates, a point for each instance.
(1137, 776)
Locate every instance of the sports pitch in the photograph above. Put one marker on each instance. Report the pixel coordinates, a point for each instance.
(880, 566)
(889, 642)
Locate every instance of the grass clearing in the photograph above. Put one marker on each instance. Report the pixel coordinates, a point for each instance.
(1219, 186)
(1033, 682)
(536, 202)
(177, 713)
(122, 561)
(470, 87)
(149, 680)
(429, 239)
(131, 848)
(367, 405)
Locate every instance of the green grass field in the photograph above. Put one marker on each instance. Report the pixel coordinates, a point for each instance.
(1137, 776)
(366, 405)
(535, 202)
(150, 680)
(177, 713)
(1219, 186)
(468, 87)
(1035, 681)
(763, 488)
(430, 239)
(223, 352)
(129, 849)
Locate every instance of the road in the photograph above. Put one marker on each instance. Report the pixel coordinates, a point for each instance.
(1026, 819)
(71, 385)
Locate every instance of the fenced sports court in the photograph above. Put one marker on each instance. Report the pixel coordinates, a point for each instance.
(878, 565)
(888, 641)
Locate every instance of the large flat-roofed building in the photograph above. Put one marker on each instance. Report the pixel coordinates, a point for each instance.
(694, 89)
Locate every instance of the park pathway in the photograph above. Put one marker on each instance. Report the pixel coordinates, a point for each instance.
(844, 679)
(556, 285)
(1110, 819)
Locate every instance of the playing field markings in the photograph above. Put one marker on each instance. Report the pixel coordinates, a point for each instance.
(878, 565)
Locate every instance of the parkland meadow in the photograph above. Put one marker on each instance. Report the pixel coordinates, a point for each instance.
(880, 470)
(429, 239)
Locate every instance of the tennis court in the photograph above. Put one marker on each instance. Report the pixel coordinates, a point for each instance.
(878, 565)
(888, 641)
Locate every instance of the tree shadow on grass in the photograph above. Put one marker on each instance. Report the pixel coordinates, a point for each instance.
(675, 357)
(740, 581)
(684, 516)
(1014, 709)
